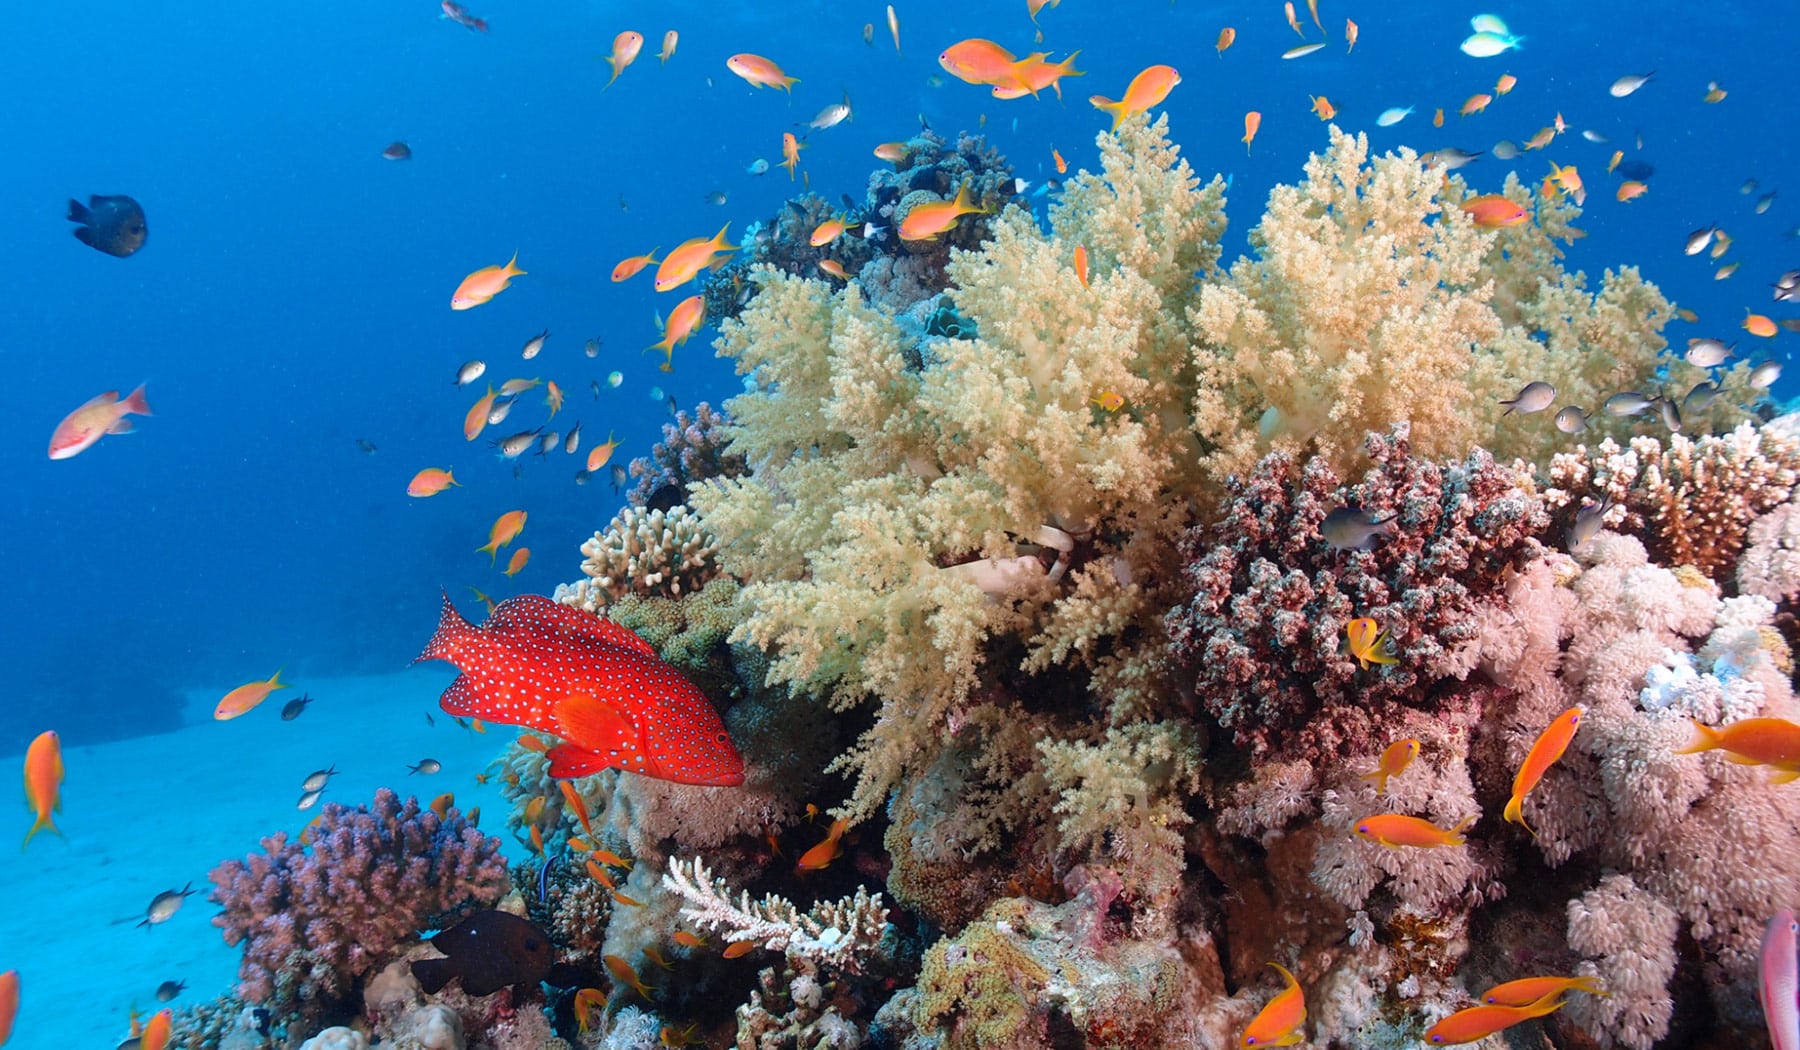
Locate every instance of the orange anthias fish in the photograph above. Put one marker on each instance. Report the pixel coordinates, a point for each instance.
(43, 780)
(614, 702)
(892, 152)
(9, 1003)
(599, 454)
(1771, 742)
(1565, 176)
(629, 268)
(586, 1002)
(1759, 325)
(1548, 747)
(1147, 89)
(1394, 760)
(689, 940)
(1081, 264)
(738, 949)
(625, 51)
(484, 284)
(1227, 37)
(1322, 107)
(99, 417)
(668, 49)
(553, 398)
(622, 972)
(246, 696)
(1035, 72)
(518, 560)
(825, 852)
(1506, 83)
(430, 482)
(506, 528)
(1252, 121)
(761, 72)
(687, 318)
(1479, 1022)
(157, 1031)
(577, 805)
(477, 416)
(826, 232)
(1475, 104)
(1351, 29)
(1631, 190)
(1282, 1020)
(689, 258)
(978, 61)
(1394, 830)
(1493, 211)
(1369, 643)
(925, 221)
(1528, 990)
(790, 153)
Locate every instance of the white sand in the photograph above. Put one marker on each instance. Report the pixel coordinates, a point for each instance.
(154, 813)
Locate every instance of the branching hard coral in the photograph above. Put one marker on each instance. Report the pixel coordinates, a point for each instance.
(1264, 631)
(659, 553)
(841, 933)
(315, 919)
(1694, 498)
(692, 449)
(1770, 566)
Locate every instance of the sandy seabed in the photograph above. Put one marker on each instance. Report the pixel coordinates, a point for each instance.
(155, 813)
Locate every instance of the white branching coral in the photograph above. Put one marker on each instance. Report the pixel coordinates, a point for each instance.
(657, 553)
(838, 933)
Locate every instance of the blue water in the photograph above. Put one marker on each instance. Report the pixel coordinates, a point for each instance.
(293, 295)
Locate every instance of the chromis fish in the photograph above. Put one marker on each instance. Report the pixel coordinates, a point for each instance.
(1533, 397)
(1708, 352)
(114, 225)
(1572, 420)
(1352, 528)
(1588, 521)
(164, 906)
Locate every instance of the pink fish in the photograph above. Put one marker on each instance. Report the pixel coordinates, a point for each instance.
(102, 416)
(604, 690)
(1780, 988)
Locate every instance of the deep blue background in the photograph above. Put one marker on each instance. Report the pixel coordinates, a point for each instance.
(293, 295)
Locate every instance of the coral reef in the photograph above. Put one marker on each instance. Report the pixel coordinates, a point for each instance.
(316, 919)
(692, 449)
(656, 553)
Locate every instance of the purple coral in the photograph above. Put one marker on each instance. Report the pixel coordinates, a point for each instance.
(1264, 630)
(692, 449)
(315, 919)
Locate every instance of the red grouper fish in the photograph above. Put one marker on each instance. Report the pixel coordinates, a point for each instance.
(604, 690)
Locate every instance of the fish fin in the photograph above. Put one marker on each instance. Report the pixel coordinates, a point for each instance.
(594, 725)
(136, 403)
(433, 974)
(78, 212)
(1515, 813)
(568, 761)
(1783, 776)
(460, 698)
(43, 822)
(1740, 760)
(451, 629)
(121, 426)
(1705, 739)
(85, 234)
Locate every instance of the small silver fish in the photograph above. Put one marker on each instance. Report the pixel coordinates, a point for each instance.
(872, 230)
(426, 766)
(1748, 187)
(1594, 136)
(582, 476)
(1763, 376)
(164, 905)
(499, 410)
(618, 477)
(1707, 353)
(573, 441)
(1763, 202)
(469, 372)
(1572, 420)
(1349, 527)
(309, 799)
(1627, 403)
(534, 345)
(1629, 83)
(1699, 398)
(1533, 397)
(758, 166)
(1588, 520)
(1671, 415)
(548, 442)
(592, 348)
(317, 779)
(514, 445)
(1505, 149)
(831, 116)
(1450, 158)
(1698, 240)
(716, 197)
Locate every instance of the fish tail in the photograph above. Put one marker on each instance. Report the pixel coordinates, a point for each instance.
(1515, 813)
(137, 403)
(43, 822)
(719, 242)
(450, 631)
(1706, 738)
(1380, 777)
(1589, 984)
(1456, 833)
(512, 266)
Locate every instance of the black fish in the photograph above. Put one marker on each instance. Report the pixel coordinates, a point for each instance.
(114, 225)
(168, 990)
(291, 710)
(489, 950)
